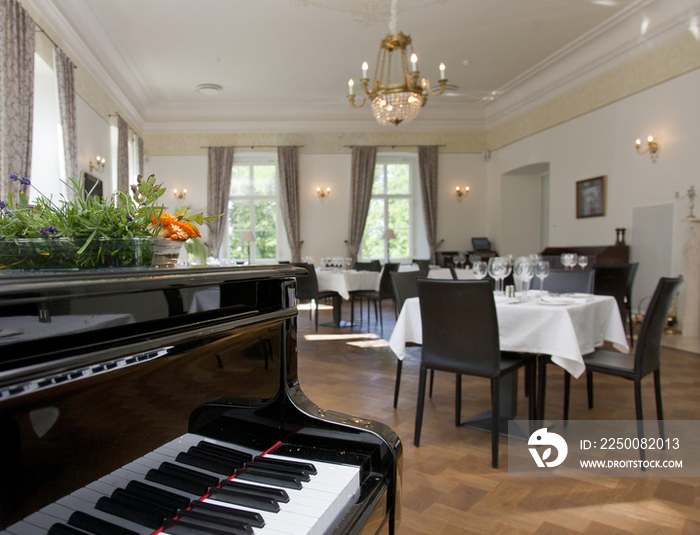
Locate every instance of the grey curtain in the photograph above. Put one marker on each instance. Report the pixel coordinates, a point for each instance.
(122, 155)
(218, 191)
(66, 103)
(17, 31)
(428, 166)
(138, 143)
(288, 163)
(361, 180)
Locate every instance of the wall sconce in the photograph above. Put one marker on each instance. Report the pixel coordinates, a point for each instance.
(652, 147)
(461, 192)
(180, 194)
(99, 164)
(322, 194)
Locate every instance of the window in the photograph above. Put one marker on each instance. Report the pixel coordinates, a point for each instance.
(390, 208)
(252, 207)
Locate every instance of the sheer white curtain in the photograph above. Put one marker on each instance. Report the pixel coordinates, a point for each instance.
(17, 30)
(218, 191)
(288, 164)
(66, 103)
(361, 180)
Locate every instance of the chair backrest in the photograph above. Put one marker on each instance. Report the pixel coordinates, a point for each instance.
(386, 289)
(562, 281)
(646, 358)
(405, 285)
(373, 265)
(612, 280)
(453, 272)
(460, 326)
(630, 282)
(307, 287)
(423, 266)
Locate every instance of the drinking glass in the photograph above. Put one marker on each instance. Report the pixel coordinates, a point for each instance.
(525, 270)
(569, 260)
(499, 268)
(583, 261)
(479, 269)
(542, 272)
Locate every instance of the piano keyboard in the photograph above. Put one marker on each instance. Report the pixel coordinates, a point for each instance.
(199, 486)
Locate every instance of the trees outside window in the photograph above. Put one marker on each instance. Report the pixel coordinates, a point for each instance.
(390, 208)
(253, 206)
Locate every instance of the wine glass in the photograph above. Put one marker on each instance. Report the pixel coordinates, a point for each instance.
(569, 260)
(499, 268)
(479, 269)
(525, 270)
(583, 261)
(542, 272)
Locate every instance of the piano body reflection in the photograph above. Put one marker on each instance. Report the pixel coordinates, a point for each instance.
(130, 406)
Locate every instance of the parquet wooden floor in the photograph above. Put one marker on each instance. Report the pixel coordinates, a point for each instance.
(449, 486)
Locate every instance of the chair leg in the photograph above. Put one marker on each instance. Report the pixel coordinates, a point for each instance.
(316, 314)
(458, 400)
(352, 311)
(631, 326)
(432, 378)
(381, 318)
(589, 385)
(541, 386)
(659, 406)
(567, 394)
(640, 415)
(419, 406)
(399, 365)
(495, 414)
(531, 374)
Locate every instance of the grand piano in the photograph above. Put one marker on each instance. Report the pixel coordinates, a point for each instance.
(167, 401)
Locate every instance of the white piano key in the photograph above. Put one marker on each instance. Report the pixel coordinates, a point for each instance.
(23, 528)
(300, 524)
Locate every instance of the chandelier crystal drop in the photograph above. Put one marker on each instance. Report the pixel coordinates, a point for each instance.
(399, 102)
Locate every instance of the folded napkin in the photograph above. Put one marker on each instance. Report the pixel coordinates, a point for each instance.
(573, 299)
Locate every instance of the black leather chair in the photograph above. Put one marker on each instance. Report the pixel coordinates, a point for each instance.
(385, 292)
(372, 265)
(561, 281)
(464, 340)
(405, 285)
(423, 266)
(628, 300)
(612, 280)
(307, 288)
(645, 359)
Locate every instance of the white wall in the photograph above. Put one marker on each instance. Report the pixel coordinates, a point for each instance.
(602, 143)
(520, 208)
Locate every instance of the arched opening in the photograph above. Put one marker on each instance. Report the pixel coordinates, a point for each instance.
(525, 209)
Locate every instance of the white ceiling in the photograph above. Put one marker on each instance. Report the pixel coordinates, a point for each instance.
(284, 64)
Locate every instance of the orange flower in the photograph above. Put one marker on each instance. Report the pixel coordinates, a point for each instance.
(176, 228)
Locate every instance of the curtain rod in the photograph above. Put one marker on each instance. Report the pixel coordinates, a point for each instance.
(251, 146)
(41, 30)
(392, 146)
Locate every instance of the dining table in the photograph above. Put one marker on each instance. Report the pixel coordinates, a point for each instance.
(564, 327)
(343, 282)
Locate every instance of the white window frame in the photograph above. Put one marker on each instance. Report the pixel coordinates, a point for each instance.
(250, 160)
(392, 158)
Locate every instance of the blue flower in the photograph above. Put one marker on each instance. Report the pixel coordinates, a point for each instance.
(3, 205)
(22, 180)
(14, 177)
(48, 231)
(129, 218)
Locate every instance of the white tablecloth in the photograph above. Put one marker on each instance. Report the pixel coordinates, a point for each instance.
(445, 273)
(564, 332)
(345, 282)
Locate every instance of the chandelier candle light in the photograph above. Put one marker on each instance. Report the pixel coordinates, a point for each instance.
(394, 103)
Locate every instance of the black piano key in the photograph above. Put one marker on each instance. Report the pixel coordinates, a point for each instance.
(231, 460)
(279, 495)
(62, 529)
(176, 482)
(181, 527)
(265, 476)
(203, 519)
(140, 504)
(113, 507)
(307, 467)
(157, 495)
(97, 526)
(204, 463)
(246, 500)
(254, 519)
(224, 451)
(302, 475)
(191, 475)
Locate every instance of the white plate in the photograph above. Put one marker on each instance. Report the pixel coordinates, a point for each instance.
(556, 303)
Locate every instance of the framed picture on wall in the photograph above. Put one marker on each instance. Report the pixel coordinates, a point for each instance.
(590, 197)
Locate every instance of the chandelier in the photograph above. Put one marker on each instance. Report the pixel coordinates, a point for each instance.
(398, 102)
